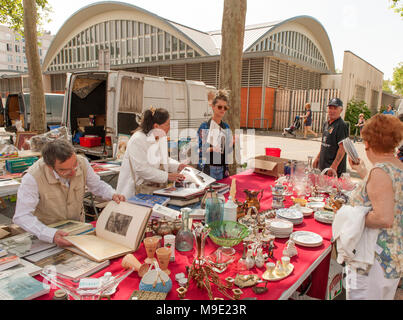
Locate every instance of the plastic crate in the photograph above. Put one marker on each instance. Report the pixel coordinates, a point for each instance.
(90, 141)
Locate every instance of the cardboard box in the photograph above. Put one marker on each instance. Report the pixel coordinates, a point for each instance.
(268, 165)
(100, 120)
(82, 122)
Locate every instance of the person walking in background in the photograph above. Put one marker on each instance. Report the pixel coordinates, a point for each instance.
(335, 130)
(389, 110)
(308, 121)
(382, 192)
(360, 125)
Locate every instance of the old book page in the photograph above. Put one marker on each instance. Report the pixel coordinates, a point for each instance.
(119, 230)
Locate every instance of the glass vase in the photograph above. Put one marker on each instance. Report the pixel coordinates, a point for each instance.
(184, 237)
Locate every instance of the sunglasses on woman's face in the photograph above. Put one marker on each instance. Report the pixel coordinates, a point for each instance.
(221, 107)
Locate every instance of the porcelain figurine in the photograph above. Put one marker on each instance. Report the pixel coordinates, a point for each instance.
(290, 249)
(279, 268)
(250, 259)
(259, 260)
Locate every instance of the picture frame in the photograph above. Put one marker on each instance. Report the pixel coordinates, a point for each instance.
(121, 146)
(22, 138)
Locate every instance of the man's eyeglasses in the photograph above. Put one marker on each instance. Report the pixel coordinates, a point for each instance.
(221, 107)
(67, 171)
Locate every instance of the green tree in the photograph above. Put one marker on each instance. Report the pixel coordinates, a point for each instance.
(397, 81)
(386, 86)
(397, 6)
(24, 16)
(354, 108)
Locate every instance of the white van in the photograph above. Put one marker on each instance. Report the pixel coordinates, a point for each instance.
(116, 99)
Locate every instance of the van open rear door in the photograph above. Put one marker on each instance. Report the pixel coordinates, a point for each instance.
(128, 102)
(66, 101)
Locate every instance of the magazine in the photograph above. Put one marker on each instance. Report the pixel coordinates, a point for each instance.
(23, 267)
(148, 200)
(24, 244)
(21, 286)
(351, 151)
(67, 263)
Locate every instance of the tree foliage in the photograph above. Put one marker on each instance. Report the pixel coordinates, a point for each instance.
(386, 86)
(397, 6)
(397, 81)
(354, 108)
(12, 14)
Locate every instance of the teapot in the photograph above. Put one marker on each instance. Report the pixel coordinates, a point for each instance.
(252, 198)
(161, 227)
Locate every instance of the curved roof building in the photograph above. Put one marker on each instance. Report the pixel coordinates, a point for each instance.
(291, 53)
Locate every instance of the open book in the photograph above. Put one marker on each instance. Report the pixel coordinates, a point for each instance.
(198, 178)
(193, 186)
(119, 230)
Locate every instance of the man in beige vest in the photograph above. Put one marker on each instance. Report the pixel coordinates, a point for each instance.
(53, 189)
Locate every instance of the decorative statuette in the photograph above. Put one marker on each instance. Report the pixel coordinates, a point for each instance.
(259, 260)
(290, 249)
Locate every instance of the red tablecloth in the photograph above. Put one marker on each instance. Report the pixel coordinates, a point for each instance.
(304, 259)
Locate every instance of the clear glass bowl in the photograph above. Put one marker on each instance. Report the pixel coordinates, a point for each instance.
(227, 233)
(77, 291)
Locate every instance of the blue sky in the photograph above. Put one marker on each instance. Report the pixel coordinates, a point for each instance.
(368, 28)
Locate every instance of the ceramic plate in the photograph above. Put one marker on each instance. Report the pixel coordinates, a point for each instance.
(306, 238)
(324, 216)
(315, 205)
(292, 214)
(306, 211)
(275, 277)
(280, 224)
(315, 199)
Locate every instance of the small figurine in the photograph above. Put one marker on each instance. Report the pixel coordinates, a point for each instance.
(270, 249)
(259, 260)
(290, 249)
(279, 268)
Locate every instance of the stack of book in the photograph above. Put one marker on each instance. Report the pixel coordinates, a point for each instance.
(23, 256)
(148, 200)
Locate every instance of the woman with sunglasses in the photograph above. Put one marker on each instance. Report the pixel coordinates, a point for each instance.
(214, 139)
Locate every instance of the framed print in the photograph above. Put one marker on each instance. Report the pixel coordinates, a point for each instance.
(22, 140)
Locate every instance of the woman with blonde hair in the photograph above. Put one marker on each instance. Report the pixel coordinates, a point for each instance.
(215, 139)
(308, 121)
(382, 191)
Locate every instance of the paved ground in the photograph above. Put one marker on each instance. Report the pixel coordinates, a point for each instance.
(294, 148)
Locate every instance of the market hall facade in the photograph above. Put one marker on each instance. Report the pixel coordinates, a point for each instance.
(291, 54)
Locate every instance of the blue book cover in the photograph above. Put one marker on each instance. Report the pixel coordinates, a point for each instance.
(21, 287)
(148, 200)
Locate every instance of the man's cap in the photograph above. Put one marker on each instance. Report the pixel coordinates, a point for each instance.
(335, 102)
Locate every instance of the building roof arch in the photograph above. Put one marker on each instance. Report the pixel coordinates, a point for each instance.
(106, 11)
(311, 27)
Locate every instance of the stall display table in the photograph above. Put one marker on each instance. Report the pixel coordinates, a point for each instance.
(309, 261)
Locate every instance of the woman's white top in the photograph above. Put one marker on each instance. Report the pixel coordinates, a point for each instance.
(145, 160)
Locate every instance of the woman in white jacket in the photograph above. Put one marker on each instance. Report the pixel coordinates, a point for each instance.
(146, 166)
